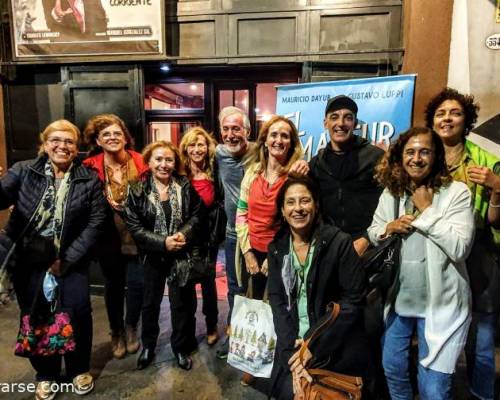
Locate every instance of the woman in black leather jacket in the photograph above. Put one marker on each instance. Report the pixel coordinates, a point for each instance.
(162, 214)
(311, 264)
(58, 213)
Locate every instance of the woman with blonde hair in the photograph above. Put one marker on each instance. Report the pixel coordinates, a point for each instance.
(278, 147)
(162, 213)
(58, 215)
(197, 151)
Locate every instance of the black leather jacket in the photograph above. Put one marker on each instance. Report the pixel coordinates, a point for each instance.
(23, 187)
(140, 215)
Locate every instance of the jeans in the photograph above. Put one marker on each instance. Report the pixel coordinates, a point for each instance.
(480, 352)
(396, 341)
(232, 282)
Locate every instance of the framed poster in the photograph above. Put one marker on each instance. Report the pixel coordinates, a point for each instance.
(91, 29)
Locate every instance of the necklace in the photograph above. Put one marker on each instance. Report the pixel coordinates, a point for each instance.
(271, 177)
(453, 156)
(161, 187)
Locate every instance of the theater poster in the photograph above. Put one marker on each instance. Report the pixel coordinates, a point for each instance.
(385, 106)
(62, 29)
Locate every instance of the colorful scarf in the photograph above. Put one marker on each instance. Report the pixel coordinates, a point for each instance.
(52, 206)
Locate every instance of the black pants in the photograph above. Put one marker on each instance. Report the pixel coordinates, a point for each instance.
(210, 310)
(209, 292)
(75, 297)
(121, 271)
(182, 310)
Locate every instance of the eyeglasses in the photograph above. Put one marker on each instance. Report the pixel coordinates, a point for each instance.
(109, 135)
(56, 141)
(410, 153)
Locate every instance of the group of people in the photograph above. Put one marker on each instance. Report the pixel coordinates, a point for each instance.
(297, 228)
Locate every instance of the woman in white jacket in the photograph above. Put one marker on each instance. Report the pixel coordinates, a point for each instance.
(432, 294)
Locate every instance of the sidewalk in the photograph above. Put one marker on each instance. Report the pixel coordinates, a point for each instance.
(210, 378)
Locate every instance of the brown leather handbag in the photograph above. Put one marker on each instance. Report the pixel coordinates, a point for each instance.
(328, 385)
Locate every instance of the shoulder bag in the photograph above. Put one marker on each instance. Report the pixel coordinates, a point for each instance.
(328, 385)
(381, 263)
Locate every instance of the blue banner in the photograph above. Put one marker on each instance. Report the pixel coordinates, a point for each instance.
(384, 108)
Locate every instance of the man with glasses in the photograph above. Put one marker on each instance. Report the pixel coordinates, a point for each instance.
(117, 165)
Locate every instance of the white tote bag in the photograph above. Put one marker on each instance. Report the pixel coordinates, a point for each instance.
(252, 341)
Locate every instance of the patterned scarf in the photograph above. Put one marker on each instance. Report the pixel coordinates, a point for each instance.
(174, 195)
(180, 272)
(52, 205)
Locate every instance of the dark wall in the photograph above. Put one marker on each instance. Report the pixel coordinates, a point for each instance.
(38, 95)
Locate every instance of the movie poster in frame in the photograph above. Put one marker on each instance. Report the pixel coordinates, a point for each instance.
(64, 30)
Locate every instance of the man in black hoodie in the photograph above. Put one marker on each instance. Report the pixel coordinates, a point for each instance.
(344, 172)
(349, 195)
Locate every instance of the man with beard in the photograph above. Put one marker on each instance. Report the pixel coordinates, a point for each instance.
(231, 157)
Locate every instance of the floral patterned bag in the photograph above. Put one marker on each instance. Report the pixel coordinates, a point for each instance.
(45, 336)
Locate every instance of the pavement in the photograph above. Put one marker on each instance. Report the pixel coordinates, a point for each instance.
(210, 378)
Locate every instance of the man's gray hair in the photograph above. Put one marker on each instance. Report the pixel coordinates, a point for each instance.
(228, 111)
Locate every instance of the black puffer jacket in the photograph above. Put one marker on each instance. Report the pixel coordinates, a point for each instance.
(335, 275)
(23, 187)
(140, 216)
(349, 193)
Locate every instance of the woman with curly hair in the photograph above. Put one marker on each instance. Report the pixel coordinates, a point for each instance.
(431, 294)
(197, 151)
(452, 115)
(117, 165)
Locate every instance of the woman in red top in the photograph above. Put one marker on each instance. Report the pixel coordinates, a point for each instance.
(278, 147)
(197, 150)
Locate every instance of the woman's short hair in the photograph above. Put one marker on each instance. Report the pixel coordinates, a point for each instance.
(292, 180)
(148, 152)
(390, 172)
(60, 125)
(191, 137)
(465, 100)
(260, 153)
(99, 122)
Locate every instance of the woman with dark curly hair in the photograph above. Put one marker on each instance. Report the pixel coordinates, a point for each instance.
(452, 115)
(431, 294)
